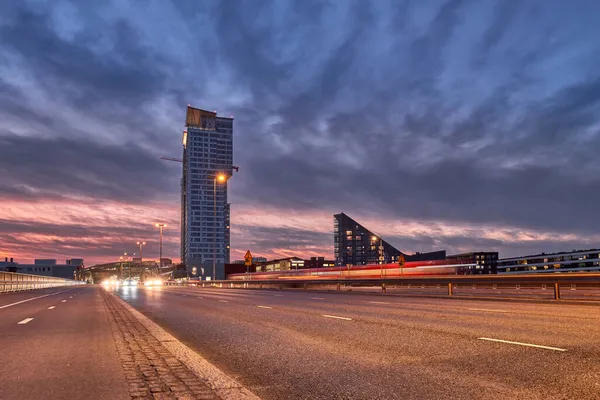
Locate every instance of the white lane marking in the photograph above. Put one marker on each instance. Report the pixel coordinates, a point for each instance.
(223, 301)
(63, 301)
(336, 317)
(318, 298)
(184, 295)
(33, 298)
(51, 307)
(26, 320)
(70, 297)
(378, 302)
(487, 309)
(278, 295)
(523, 344)
(264, 307)
(198, 297)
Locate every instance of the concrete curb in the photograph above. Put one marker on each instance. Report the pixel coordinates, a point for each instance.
(224, 386)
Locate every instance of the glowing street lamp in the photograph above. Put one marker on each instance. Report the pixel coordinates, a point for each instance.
(379, 252)
(141, 244)
(221, 178)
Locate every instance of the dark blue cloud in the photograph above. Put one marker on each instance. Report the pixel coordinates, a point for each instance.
(448, 111)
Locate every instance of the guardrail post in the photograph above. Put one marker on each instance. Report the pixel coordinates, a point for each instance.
(450, 290)
(556, 291)
(338, 286)
(305, 287)
(383, 290)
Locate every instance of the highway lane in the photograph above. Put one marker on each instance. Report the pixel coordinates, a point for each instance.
(10, 299)
(307, 345)
(58, 346)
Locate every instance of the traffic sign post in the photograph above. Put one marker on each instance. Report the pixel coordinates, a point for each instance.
(248, 260)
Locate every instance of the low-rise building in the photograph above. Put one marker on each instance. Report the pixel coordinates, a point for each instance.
(318, 262)
(49, 267)
(282, 264)
(572, 261)
(8, 265)
(487, 262)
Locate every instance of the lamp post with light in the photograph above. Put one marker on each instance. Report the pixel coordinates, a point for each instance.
(141, 244)
(379, 252)
(160, 229)
(220, 178)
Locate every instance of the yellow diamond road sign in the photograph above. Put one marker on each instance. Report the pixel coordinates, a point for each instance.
(248, 258)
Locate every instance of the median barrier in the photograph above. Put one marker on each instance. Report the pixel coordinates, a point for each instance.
(555, 286)
(13, 282)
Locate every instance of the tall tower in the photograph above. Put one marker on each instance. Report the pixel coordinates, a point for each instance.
(205, 229)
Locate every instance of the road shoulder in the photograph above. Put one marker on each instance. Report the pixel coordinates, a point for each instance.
(158, 364)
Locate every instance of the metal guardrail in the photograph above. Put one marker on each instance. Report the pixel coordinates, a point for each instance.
(13, 282)
(557, 282)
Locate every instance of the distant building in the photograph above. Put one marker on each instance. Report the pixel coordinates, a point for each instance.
(49, 267)
(237, 268)
(205, 214)
(487, 262)
(44, 261)
(8, 265)
(254, 260)
(282, 264)
(573, 261)
(166, 261)
(318, 262)
(356, 245)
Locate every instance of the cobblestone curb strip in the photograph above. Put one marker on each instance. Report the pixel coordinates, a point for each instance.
(158, 366)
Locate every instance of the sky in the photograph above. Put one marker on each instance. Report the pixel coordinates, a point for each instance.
(457, 125)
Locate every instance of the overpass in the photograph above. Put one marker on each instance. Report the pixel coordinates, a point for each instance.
(124, 270)
(505, 337)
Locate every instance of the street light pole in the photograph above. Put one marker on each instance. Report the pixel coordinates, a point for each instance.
(220, 178)
(160, 228)
(141, 244)
(381, 257)
(379, 253)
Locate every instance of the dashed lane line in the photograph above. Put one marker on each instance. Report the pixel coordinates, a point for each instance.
(264, 307)
(26, 320)
(378, 302)
(337, 317)
(318, 298)
(63, 301)
(522, 344)
(223, 301)
(51, 307)
(32, 298)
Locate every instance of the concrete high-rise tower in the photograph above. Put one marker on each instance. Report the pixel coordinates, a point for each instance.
(207, 165)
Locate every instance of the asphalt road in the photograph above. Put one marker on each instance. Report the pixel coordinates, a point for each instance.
(303, 345)
(57, 344)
